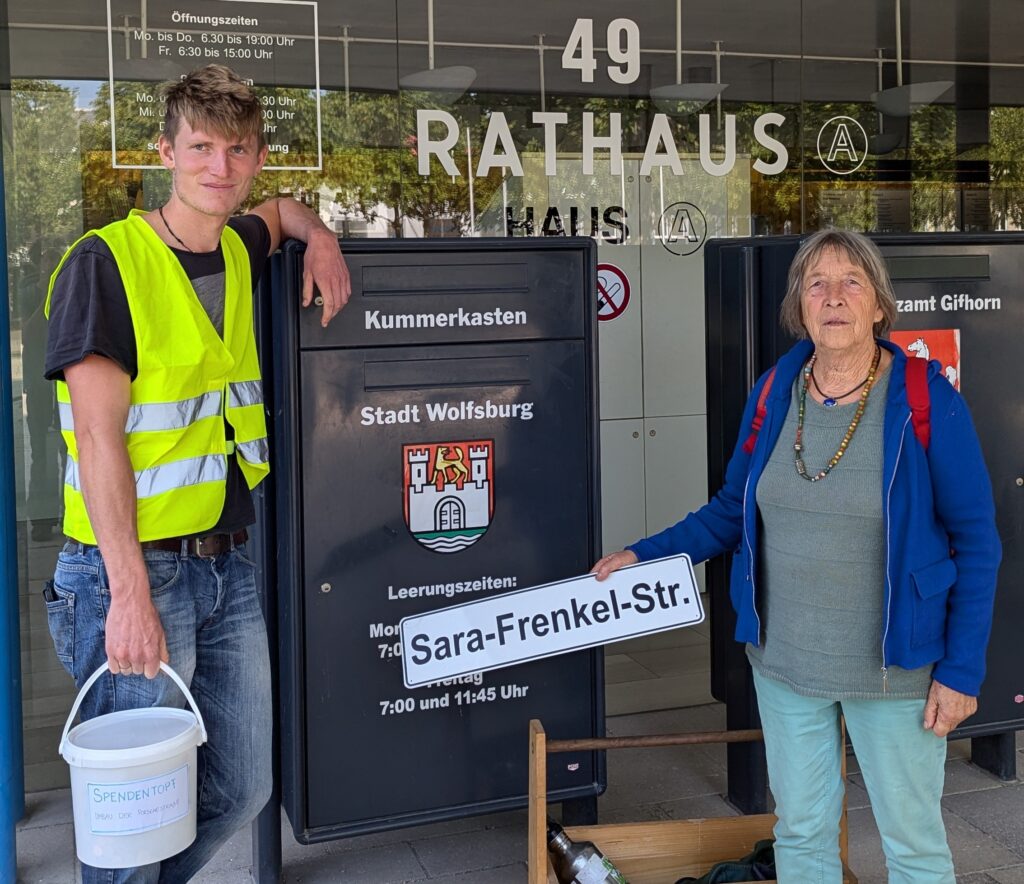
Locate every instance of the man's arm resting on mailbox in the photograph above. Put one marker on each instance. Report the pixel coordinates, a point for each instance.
(324, 266)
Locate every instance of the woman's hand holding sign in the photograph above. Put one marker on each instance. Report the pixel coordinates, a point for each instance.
(612, 562)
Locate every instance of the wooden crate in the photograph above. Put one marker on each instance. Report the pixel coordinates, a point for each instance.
(658, 852)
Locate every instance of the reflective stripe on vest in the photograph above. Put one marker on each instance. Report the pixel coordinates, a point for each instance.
(167, 477)
(245, 393)
(158, 415)
(255, 452)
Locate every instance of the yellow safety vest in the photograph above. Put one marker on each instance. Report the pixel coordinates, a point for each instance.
(189, 381)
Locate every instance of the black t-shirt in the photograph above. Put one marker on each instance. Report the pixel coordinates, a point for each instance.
(89, 314)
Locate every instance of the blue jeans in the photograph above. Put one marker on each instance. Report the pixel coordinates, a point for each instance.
(211, 615)
(903, 767)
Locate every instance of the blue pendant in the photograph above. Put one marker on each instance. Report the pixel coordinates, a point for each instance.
(830, 402)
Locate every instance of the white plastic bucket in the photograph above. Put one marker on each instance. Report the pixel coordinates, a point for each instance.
(133, 780)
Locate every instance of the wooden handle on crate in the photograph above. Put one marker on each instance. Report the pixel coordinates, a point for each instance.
(653, 740)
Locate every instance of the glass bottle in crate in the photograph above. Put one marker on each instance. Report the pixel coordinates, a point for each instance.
(579, 862)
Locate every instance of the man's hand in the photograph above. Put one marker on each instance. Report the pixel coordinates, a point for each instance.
(613, 562)
(945, 709)
(135, 637)
(325, 268)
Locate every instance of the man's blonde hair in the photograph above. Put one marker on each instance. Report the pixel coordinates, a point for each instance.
(213, 98)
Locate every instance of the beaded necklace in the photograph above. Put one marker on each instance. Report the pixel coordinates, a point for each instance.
(798, 445)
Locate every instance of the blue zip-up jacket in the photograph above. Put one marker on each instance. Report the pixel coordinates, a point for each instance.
(942, 548)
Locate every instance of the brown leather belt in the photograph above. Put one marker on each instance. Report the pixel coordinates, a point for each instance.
(205, 547)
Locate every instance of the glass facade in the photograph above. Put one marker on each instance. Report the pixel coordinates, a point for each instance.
(648, 126)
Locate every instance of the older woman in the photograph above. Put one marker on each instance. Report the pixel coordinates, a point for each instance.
(864, 568)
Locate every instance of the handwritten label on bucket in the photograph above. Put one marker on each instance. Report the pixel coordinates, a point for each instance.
(551, 619)
(138, 806)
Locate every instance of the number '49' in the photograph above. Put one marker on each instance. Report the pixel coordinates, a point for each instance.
(623, 49)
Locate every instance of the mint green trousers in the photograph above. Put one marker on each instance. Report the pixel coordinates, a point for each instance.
(903, 766)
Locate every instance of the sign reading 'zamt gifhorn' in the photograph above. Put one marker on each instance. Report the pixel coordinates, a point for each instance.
(261, 40)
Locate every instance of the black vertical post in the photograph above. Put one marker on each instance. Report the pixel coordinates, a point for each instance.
(972, 114)
(747, 781)
(996, 753)
(266, 828)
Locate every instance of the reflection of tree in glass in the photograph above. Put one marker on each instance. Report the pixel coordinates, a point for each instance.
(110, 193)
(932, 156)
(1006, 159)
(370, 162)
(42, 174)
(43, 183)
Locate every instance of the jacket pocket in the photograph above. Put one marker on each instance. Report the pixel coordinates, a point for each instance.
(738, 582)
(60, 617)
(932, 584)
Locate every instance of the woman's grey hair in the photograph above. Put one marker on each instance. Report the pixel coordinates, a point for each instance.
(862, 252)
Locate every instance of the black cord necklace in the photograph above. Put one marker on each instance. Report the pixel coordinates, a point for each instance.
(187, 249)
(832, 401)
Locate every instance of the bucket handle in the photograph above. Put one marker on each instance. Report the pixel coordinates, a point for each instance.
(92, 680)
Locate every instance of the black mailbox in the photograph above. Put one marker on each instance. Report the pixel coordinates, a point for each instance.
(436, 443)
(960, 300)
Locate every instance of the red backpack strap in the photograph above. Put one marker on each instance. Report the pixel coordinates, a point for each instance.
(759, 413)
(917, 396)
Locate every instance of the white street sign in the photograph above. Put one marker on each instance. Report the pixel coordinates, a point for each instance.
(551, 619)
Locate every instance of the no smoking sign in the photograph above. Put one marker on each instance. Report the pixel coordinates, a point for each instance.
(612, 292)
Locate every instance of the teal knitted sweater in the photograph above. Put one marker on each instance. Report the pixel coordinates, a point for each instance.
(822, 577)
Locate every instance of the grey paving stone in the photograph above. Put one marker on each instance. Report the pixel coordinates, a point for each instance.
(620, 669)
(235, 854)
(974, 850)
(689, 660)
(976, 878)
(997, 812)
(224, 876)
(1009, 875)
(645, 776)
(701, 807)
(47, 809)
(46, 855)
(513, 874)
(962, 776)
(644, 813)
(390, 864)
(666, 691)
(866, 859)
(710, 716)
(856, 794)
(472, 851)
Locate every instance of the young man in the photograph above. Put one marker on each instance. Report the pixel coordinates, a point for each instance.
(151, 343)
